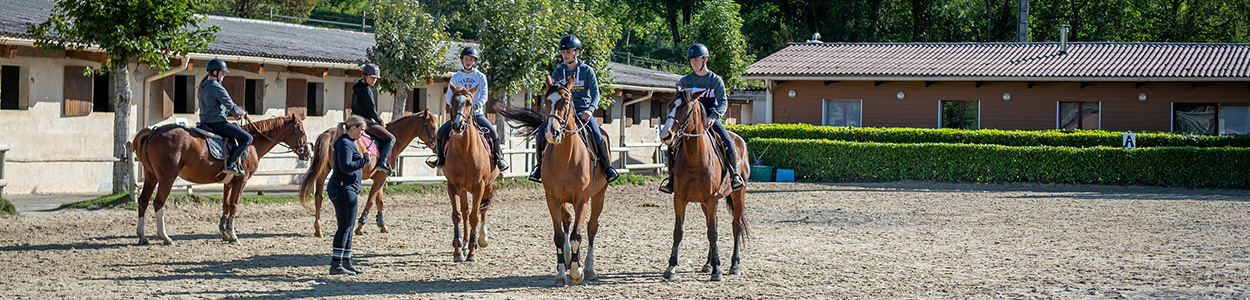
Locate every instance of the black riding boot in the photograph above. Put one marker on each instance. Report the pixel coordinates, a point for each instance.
(605, 161)
(438, 153)
(731, 164)
(497, 154)
(336, 268)
(347, 264)
(666, 186)
(536, 175)
(384, 156)
(233, 162)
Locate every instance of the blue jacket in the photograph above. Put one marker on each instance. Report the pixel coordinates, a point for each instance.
(347, 165)
(585, 87)
(215, 102)
(713, 82)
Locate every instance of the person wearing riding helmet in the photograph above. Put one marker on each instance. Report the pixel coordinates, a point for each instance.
(364, 104)
(715, 104)
(585, 99)
(469, 77)
(215, 107)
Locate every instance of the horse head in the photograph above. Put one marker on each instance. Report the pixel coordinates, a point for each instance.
(562, 113)
(297, 139)
(686, 108)
(462, 107)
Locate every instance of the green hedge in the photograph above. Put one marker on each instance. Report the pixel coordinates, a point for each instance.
(826, 160)
(1066, 138)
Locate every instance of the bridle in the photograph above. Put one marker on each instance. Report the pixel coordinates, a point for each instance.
(680, 130)
(562, 121)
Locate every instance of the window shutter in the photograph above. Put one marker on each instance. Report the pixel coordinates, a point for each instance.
(77, 92)
(347, 99)
(235, 85)
(161, 96)
(297, 97)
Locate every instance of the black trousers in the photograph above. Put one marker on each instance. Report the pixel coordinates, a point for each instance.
(345, 215)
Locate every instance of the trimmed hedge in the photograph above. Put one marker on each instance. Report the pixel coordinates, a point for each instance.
(1065, 138)
(826, 160)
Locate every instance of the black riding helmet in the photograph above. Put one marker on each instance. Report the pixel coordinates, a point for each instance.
(216, 64)
(570, 42)
(697, 51)
(470, 51)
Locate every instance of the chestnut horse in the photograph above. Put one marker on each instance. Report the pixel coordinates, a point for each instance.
(698, 177)
(172, 151)
(469, 170)
(420, 125)
(570, 178)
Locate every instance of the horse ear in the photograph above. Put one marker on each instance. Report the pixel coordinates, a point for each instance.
(569, 85)
(473, 91)
(452, 87)
(549, 81)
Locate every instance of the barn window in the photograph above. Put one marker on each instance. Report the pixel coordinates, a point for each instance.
(1234, 119)
(184, 94)
(1080, 115)
(416, 100)
(102, 93)
(961, 114)
(314, 99)
(843, 113)
(10, 79)
(1194, 118)
(253, 96)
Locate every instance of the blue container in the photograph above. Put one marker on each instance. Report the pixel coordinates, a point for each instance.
(785, 175)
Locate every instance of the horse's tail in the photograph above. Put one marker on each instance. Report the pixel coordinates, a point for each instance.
(318, 168)
(140, 143)
(525, 121)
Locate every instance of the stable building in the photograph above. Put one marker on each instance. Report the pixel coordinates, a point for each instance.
(1168, 87)
(58, 122)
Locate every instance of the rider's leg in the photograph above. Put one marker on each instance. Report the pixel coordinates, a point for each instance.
(385, 141)
(605, 155)
(242, 140)
(439, 143)
(666, 186)
(540, 145)
(731, 156)
(491, 134)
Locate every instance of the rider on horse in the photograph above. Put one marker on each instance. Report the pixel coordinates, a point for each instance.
(715, 104)
(469, 77)
(585, 93)
(215, 107)
(364, 104)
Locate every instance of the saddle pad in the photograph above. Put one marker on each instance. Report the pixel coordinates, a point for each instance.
(216, 144)
(367, 143)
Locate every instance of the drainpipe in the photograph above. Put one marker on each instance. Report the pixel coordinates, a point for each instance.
(143, 105)
(628, 103)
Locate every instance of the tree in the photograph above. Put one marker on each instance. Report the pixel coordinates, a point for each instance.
(409, 47)
(151, 32)
(718, 26)
(256, 9)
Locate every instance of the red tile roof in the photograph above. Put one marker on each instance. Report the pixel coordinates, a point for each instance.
(1007, 61)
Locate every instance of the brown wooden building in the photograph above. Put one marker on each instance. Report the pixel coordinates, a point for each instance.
(1193, 88)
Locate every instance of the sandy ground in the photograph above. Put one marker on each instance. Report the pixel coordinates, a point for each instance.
(850, 240)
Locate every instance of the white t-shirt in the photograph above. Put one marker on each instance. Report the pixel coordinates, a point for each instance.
(470, 80)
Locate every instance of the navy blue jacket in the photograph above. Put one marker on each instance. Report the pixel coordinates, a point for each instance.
(364, 104)
(347, 165)
(585, 85)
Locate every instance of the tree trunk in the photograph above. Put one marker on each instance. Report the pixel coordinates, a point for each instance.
(671, 13)
(401, 102)
(121, 128)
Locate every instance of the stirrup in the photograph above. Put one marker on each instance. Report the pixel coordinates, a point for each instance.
(502, 166)
(234, 170)
(535, 176)
(736, 182)
(433, 163)
(666, 186)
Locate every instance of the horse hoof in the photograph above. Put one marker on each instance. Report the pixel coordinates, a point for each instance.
(575, 273)
(481, 242)
(669, 274)
(382, 229)
(591, 276)
(735, 271)
(317, 234)
(470, 258)
(562, 281)
(359, 231)
(716, 277)
(706, 268)
(457, 257)
(144, 242)
(169, 242)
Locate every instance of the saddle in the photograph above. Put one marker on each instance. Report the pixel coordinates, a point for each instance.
(481, 132)
(217, 145)
(366, 142)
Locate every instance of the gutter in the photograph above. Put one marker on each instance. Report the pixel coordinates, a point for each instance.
(645, 89)
(999, 79)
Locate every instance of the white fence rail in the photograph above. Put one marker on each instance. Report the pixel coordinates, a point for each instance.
(3, 148)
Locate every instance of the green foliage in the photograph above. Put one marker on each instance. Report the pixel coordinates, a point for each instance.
(718, 26)
(260, 9)
(826, 160)
(7, 208)
(1058, 138)
(636, 179)
(410, 44)
(150, 31)
(107, 201)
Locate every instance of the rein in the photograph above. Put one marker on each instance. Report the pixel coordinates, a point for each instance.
(266, 136)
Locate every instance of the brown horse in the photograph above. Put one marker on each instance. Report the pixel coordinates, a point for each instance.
(420, 125)
(172, 151)
(698, 178)
(570, 178)
(469, 170)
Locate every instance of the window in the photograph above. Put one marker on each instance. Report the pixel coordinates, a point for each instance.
(1234, 119)
(961, 114)
(314, 97)
(184, 95)
(10, 79)
(416, 100)
(843, 113)
(102, 93)
(631, 114)
(1194, 118)
(253, 95)
(1079, 115)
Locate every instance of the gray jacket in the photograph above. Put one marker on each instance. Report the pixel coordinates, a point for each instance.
(215, 102)
(712, 82)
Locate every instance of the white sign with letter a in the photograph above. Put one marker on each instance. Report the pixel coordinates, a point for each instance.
(1129, 140)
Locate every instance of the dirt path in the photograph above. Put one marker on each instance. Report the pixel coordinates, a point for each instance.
(880, 240)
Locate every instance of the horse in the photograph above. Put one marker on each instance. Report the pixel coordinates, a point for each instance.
(698, 178)
(173, 151)
(420, 125)
(469, 170)
(570, 178)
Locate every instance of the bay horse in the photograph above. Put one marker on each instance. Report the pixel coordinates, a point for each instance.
(173, 151)
(469, 171)
(570, 178)
(416, 126)
(698, 177)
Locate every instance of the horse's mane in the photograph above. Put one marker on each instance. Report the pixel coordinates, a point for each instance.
(403, 122)
(266, 125)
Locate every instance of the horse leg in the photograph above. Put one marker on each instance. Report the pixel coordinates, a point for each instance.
(360, 222)
(225, 212)
(558, 222)
(149, 183)
(456, 220)
(236, 194)
(376, 194)
(596, 207)
(463, 202)
(739, 227)
(317, 220)
(486, 198)
(575, 268)
(474, 208)
(162, 193)
(713, 253)
(679, 213)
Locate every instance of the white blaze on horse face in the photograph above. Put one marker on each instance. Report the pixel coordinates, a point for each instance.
(668, 124)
